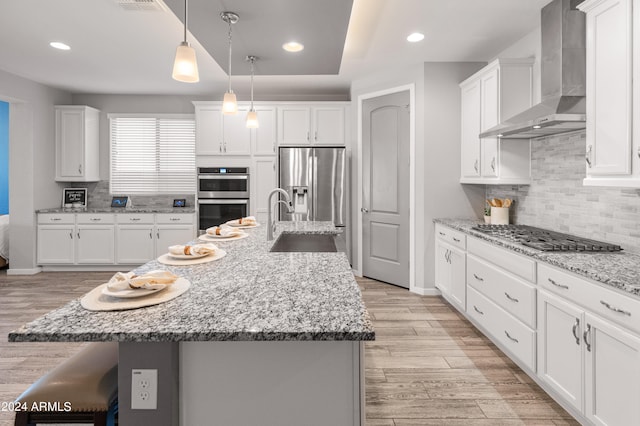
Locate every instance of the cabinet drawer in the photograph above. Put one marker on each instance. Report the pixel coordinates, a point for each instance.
(512, 294)
(134, 218)
(516, 264)
(618, 307)
(174, 218)
(88, 218)
(55, 218)
(513, 335)
(451, 236)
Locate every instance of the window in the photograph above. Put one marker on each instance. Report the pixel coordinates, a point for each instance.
(152, 155)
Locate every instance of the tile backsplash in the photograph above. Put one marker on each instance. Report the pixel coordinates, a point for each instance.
(557, 200)
(99, 197)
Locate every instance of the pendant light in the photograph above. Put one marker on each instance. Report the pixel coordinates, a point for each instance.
(252, 115)
(185, 66)
(229, 104)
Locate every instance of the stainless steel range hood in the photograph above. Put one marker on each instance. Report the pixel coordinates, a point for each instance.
(563, 78)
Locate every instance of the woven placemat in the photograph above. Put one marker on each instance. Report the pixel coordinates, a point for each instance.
(96, 301)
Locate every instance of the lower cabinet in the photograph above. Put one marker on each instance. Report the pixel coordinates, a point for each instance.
(56, 244)
(95, 244)
(590, 363)
(135, 244)
(450, 267)
(168, 235)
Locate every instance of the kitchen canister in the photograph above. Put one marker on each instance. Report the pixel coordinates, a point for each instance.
(499, 215)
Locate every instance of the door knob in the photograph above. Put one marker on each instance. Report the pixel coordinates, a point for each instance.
(363, 210)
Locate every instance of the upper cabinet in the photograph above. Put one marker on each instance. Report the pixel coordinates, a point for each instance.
(304, 125)
(263, 139)
(219, 134)
(613, 138)
(495, 93)
(77, 139)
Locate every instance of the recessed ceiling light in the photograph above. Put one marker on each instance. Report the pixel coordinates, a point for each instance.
(59, 45)
(415, 37)
(537, 126)
(293, 46)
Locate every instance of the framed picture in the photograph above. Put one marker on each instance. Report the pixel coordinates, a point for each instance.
(119, 201)
(179, 202)
(74, 198)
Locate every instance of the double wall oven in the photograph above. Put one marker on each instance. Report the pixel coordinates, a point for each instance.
(223, 195)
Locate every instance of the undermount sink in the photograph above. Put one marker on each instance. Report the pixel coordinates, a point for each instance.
(289, 242)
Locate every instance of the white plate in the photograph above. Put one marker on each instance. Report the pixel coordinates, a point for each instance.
(187, 256)
(166, 259)
(132, 293)
(235, 224)
(209, 237)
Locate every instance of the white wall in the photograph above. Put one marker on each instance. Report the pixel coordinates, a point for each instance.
(31, 162)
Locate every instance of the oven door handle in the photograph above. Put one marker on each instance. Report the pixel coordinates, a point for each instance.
(216, 201)
(224, 177)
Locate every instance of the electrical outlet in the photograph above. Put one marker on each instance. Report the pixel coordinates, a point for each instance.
(144, 389)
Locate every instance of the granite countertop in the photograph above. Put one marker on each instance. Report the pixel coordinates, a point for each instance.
(250, 294)
(620, 270)
(174, 210)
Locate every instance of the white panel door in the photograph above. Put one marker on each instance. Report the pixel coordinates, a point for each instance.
(56, 244)
(236, 135)
(264, 137)
(470, 130)
(612, 374)
(209, 139)
(70, 128)
(328, 126)
(385, 179)
(294, 125)
(134, 244)
(442, 268)
(263, 180)
(489, 117)
(560, 347)
(457, 263)
(609, 84)
(95, 244)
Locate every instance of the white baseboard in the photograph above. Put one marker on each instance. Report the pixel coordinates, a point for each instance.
(425, 291)
(88, 268)
(31, 271)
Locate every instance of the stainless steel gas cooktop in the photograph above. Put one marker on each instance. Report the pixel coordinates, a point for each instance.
(545, 240)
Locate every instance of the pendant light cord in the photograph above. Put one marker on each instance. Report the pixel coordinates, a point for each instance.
(186, 16)
(230, 56)
(252, 70)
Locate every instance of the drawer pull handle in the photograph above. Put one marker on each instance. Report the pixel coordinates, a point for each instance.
(151, 235)
(134, 219)
(574, 330)
(71, 235)
(174, 219)
(566, 287)
(442, 233)
(614, 309)
(511, 338)
(513, 299)
(78, 234)
(95, 219)
(456, 240)
(55, 219)
(586, 333)
(478, 310)
(478, 278)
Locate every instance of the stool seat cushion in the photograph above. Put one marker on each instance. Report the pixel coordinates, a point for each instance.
(88, 381)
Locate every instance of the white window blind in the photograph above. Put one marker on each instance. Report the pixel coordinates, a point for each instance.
(152, 155)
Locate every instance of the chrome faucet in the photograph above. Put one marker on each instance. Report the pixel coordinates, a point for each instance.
(271, 227)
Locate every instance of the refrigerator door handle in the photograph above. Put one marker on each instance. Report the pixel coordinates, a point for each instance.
(314, 191)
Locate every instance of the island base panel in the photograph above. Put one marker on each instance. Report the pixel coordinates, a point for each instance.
(283, 383)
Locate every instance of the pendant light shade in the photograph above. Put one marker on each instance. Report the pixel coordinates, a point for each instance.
(185, 65)
(229, 104)
(252, 115)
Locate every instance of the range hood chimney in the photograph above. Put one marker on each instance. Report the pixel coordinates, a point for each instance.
(563, 78)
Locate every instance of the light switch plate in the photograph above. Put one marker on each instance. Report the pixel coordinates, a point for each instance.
(144, 389)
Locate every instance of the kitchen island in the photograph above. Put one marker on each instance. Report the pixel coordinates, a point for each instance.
(259, 338)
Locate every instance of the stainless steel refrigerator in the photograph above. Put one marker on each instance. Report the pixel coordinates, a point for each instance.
(315, 178)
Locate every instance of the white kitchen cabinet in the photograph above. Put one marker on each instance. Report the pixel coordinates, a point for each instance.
(322, 125)
(612, 143)
(95, 244)
(263, 181)
(450, 268)
(497, 92)
(169, 235)
(219, 134)
(56, 244)
(135, 244)
(77, 143)
(264, 138)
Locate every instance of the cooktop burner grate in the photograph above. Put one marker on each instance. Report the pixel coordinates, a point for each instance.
(545, 240)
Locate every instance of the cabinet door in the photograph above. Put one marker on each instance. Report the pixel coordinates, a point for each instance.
(609, 88)
(56, 244)
(328, 126)
(612, 374)
(263, 181)
(70, 142)
(489, 148)
(236, 136)
(264, 137)
(293, 125)
(560, 347)
(134, 244)
(443, 268)
(95, 244)
(209, 139)
(168, 235)
(470, 149)
(489, 117)
(458, 275)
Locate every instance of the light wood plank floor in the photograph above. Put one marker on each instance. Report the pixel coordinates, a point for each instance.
(428, 365)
